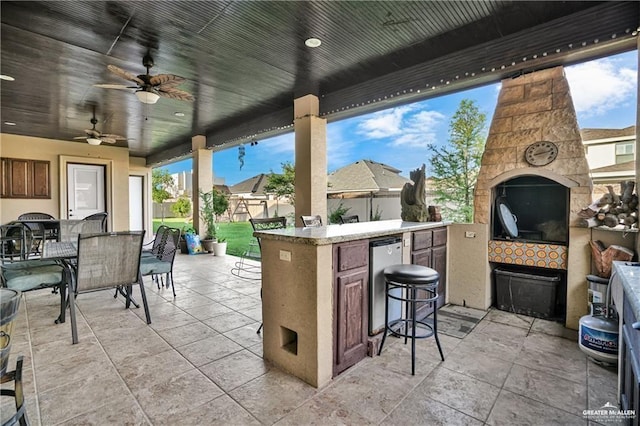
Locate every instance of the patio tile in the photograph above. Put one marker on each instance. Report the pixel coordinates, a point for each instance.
(480, 366)
(210, 349)
(148, 372)
(245, 336)
(508, 318)
(223, 323)
(416, 410)
(602, 384)
(123, 410)
(222, 411)
(163, 322)
(461, 392)
(185, 334)
(554, 328)
(323, 410)
(547, 388)
(213, 309)
(191, 301)
(512, 409)
(241, 302)
(235, 369)
(272, 395)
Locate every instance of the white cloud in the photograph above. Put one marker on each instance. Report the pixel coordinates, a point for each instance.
(601, 85)
(405, 126)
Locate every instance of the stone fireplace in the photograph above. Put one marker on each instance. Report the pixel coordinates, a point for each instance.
(545, 199)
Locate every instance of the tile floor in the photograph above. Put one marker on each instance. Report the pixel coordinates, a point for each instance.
(199, 363)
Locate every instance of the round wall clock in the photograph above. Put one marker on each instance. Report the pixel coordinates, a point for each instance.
(541, 153)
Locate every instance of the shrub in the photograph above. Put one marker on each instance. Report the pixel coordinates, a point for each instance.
(341, 210)
(182, 207)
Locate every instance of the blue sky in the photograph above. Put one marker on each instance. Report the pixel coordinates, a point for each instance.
(604, 94)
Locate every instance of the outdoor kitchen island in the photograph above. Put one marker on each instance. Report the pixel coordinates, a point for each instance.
(315, 290)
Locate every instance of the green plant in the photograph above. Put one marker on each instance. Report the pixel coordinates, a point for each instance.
(377, 215)
(187, 229)
(213, 204)
(341, 210)
(182, 207)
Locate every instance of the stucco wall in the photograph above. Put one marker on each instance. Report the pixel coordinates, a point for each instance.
(120, 165)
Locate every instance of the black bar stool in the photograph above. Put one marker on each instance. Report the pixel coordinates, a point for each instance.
(402, 283)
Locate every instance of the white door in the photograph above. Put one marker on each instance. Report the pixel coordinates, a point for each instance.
(86, 191)
(136, 209)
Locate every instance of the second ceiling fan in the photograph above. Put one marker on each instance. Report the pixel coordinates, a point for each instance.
(95, 137)
(150, 87)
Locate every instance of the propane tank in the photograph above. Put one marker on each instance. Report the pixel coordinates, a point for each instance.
(598, 334)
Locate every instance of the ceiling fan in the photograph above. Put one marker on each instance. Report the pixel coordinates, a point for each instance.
(94, 137)
(150, 87)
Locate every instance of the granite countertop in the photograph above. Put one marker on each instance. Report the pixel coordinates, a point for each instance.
(348, 232)
(629, 275)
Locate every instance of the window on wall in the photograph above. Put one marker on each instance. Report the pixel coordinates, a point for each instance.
(624, 152)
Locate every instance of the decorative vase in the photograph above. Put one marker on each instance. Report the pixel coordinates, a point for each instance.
(220, 249)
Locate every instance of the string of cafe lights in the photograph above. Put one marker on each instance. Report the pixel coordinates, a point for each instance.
(432, 86)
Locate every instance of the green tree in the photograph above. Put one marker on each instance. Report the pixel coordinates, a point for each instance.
(161, 184)
(182, 207)
(455, 167)
(214, 203)
(282, 184)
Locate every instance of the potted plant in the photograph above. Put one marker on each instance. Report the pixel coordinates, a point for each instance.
(213, 204)
(220, 247)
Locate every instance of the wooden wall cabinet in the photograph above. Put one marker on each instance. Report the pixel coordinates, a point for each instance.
(429, 248)
(25, 178)
(351, 298)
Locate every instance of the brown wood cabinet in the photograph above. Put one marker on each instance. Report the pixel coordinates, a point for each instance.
(351, 297)
(25, 178)
(429, 248)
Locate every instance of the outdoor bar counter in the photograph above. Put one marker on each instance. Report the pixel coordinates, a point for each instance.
(306, 274)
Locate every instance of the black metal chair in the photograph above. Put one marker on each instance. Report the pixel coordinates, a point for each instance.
(244, 268)
(38, 229)
(159, 261)
(311, 221)
(102, 217)
(107, 261)
(350, 219)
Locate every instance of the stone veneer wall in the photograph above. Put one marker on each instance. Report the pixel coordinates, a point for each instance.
(531, 108)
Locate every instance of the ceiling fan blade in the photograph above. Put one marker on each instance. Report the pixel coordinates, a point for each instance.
(107, 139)
(125, 74)
(92, 133)
(114, 86)
(114, 137)
(80, 137)
(165, 80)
(173, 93)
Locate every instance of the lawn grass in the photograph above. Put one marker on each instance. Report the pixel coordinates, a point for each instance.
(238, 234)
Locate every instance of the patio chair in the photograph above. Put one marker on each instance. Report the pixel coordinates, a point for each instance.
(107, 261)
(350, 219)
(18, 273)
(159, 261)
(72, 228)
(102, 217)
(252, 271)
(311, 221)
(255, 271)
(39, 230)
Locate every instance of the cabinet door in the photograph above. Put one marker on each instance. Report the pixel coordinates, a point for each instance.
(41, 179)
(439, 263)
(19, 178)
(5, 184)
(351, 315)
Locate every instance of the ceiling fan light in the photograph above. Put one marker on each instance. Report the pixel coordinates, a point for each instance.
(94, 141)
(147, 97)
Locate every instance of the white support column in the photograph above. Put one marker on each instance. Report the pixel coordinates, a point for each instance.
(202, 177)
(310, 158)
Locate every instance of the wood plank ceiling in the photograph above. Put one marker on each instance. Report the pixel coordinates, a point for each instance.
(245, 61)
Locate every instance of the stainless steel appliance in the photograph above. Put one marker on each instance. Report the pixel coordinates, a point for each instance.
(382, 253)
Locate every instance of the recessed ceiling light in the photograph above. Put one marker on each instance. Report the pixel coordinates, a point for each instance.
(6, 77)
(312, 42)
(9, 123)
(179, 114)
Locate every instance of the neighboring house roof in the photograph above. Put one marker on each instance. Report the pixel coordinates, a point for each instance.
(254, 185)
(223, 188)
(628, 166)
(365, 175)
(598, 134)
